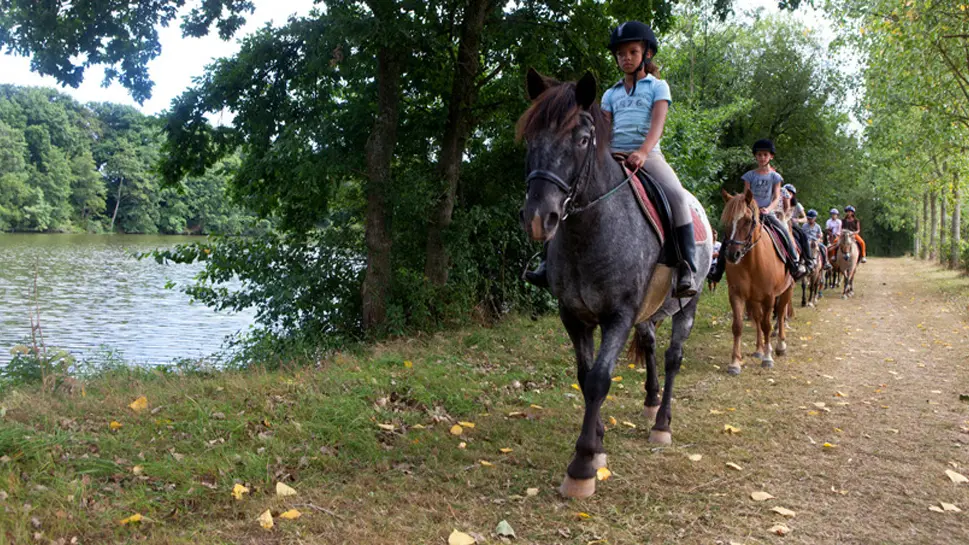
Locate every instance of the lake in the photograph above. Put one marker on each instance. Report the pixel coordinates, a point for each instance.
(93, 294)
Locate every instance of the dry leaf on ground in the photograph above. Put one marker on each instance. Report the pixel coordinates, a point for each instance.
(290, 515)
(115, 425)
(284, 490)
(784, 512)
(732, 465)
(238, 490)
(469, 425)
(139, 404)
(133, 518)
(731, 430)
(388, 427)
(459, 538)
(456, 430)
(504, 450)
(956, 477)
(760, 495)
(695, 457)
(266, 519)
(504, 529)
(531, 492)
(949, 507)
(603, 473)
(779, 529)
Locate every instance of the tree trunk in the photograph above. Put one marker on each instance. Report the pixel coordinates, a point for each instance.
(919, 226)
(380, 152)
(933, 225)
(117, 203)
(464, 93)
(925, 226)
(942, 233)
(956, 239)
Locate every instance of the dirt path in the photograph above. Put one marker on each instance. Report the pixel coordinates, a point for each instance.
(879, 376)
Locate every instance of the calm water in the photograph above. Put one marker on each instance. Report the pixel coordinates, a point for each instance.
(91, 293)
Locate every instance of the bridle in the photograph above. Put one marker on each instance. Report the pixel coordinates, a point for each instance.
(580, 180)
(747, 244)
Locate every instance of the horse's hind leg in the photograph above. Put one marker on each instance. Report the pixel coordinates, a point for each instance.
(681, 327)
(803, 293)
(644, 343)
(766, 324)
(782, 301)
(580, 478)
(737, 305)
(757, 316)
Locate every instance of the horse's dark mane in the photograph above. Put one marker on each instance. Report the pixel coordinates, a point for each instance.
(736, 206)
(557, 108)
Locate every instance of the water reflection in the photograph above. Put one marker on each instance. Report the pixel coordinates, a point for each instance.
(91, 293)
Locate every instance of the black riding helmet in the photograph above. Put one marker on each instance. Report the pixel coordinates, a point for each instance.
(633, 31)
(764, 144)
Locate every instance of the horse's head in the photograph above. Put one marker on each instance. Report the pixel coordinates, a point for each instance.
(563, 129)
(845, 244)
(740, 219)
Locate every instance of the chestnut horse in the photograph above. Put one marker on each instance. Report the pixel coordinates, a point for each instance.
(757, 279)
(811, 283)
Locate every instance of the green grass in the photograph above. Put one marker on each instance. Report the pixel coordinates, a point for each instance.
(315, 427)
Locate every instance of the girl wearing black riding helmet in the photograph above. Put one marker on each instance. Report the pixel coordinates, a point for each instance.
(636, 106)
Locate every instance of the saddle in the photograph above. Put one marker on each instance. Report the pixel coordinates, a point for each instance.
(656, 209)
(775, 238)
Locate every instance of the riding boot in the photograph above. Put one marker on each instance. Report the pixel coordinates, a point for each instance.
(685, 249)
(716, 273)
(538, 277)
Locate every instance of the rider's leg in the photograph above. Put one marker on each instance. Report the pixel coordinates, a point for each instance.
(657, 167)
(863, 248)
(803, 245)
(796, 268)
(823, 252)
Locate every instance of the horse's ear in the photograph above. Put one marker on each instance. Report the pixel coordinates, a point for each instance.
(748, 196)
(586, 90)
(536, 84)
(725, 194)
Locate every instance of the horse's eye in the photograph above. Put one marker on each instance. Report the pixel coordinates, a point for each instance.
(584, 142)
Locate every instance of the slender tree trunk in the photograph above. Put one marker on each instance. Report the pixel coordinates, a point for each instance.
(942, 233)
(464, 93)
(956, 239)
(919, 227)
(117, 203)
(933, 225)
(380, 152)
(923, 253)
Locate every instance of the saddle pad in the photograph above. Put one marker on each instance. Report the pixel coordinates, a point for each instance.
(775, 237)
(700, 231)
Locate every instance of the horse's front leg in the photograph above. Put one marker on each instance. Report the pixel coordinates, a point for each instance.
(681, 327)
(646, 347)
(583, 342)
(737, 359)
(580, 478)
(783, 301)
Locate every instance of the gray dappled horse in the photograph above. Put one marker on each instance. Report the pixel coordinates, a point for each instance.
(602, 259)
(848, 254)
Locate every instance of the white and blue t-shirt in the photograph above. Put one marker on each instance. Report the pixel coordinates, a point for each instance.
(632, 114)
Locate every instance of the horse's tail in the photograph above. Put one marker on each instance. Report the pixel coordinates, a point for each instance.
(637, 350)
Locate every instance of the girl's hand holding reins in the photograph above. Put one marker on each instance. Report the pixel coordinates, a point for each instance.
(635, 160)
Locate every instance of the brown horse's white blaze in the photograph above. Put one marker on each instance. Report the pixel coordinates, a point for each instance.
(757, 280)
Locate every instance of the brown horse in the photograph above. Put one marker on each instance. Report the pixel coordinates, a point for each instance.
(756, 277)
(811, 283)
(848, 254)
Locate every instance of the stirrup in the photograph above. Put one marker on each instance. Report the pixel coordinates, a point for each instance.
(684, 282)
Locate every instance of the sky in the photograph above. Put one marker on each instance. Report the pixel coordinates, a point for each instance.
(182, 59)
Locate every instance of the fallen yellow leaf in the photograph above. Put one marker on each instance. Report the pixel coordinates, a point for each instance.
(829, 445)
(537, 407)
(779, 529)
(957, 478)
(612, 421)
(292, 514)
(238, 490)
(462, 445)
(388, 427)
(408, 364)
(784, 512)
(139, 404)
(715, 411)
(133, 518)
(583, 516)
(459, 538)
(266, 520)
(456, 430)
(504, 450)
(469, 425)
(284, 490)
(936, 508)
(138, 470)
(115, 425)
(631, 366)
(575, 386)
(603, 474)
(761, 496)
(695, 457)
(617, 379)
(531, 492)
(734, 466)
(485, 463)
(628, 424)
(949, 507)
(728, 429)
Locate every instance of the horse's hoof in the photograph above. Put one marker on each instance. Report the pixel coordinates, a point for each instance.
(733, 370)
(660, 437)
(650, 412)
(767, 364)
(757, 356)
(578, 489)
(599, 460)
(844, 296)
(781, 349)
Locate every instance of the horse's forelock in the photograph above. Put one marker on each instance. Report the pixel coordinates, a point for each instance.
(558, 108)
(735, 209)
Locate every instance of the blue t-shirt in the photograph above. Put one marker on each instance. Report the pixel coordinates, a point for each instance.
(762, 185)
(632, 113)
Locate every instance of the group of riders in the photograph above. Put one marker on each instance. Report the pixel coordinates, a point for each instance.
(637, 106)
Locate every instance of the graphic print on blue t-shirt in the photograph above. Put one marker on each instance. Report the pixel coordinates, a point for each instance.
(632, 113)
